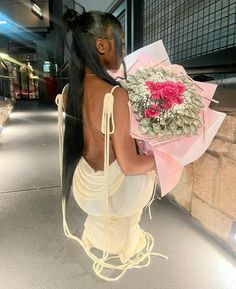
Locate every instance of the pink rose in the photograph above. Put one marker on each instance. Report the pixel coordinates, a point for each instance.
(153, 106)
(181, 86)
(149, 113)
(155, 93)
(169, 90)
(179, 99)
(159, 85)
(150, 85)
(152, 111)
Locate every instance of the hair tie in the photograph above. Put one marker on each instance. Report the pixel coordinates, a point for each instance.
(71, 17)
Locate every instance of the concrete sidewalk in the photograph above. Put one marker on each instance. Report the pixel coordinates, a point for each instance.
(35, 254)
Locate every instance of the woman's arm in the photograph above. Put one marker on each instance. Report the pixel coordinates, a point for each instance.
(123, 144)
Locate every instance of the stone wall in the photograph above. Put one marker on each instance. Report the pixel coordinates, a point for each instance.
(207, 188)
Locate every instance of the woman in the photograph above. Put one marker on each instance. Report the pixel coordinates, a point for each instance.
(109, 180)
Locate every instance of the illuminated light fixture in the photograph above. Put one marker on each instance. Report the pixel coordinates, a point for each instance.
(3, 22)
(36, 10)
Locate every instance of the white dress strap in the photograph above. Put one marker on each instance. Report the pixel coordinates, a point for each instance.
(107, 128)
(107, 113)
(113, 88)
(59, 102)
(101, 263)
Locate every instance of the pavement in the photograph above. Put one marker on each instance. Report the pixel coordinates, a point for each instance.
(35, 254)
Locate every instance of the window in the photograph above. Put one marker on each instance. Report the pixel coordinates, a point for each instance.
(200, 26)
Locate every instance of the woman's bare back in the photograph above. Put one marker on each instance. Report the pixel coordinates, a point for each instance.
(122, 145)
(94, 92)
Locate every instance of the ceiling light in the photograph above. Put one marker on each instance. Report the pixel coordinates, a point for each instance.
(36, 10)
(3, 22)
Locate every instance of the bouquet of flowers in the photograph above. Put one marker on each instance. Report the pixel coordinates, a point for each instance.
(165, 103)
(169, 112)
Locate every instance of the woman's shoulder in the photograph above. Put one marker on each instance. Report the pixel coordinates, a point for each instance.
(120, 95)
(116, 90)
(100, 88)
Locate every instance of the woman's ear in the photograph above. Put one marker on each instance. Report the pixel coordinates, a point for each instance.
(101, 45)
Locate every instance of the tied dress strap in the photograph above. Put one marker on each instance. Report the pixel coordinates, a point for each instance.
(107, 128)
(98, 263)
(141, 259)
(60, 121)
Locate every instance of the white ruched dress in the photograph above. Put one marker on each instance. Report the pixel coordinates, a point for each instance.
(114, 204)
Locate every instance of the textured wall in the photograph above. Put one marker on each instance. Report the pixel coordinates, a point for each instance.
(208, 186)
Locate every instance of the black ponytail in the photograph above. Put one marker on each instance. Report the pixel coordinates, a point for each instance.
(85, 28)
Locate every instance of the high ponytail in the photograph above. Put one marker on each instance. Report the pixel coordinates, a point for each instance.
(85, 28)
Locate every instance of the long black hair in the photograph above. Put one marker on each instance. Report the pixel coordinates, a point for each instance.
(85, 27)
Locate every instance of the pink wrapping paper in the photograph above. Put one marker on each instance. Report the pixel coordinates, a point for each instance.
(172, 155)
